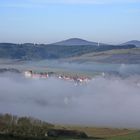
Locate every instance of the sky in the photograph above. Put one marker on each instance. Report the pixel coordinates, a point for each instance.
(47, 21)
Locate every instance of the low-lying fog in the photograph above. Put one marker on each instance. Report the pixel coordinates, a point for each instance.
(123, 69)
(110, 101)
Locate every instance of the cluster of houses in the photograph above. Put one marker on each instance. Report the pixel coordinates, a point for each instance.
(45, 75)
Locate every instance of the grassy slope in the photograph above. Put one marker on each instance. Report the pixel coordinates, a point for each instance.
(116, 56)
(131, 136)
(105, 133)
(98, 132)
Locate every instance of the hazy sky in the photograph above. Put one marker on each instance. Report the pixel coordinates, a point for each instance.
(46, 21)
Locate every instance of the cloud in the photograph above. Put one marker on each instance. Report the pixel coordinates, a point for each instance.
(111, 101)
(72, 1)
(44, 3)
(86, 1)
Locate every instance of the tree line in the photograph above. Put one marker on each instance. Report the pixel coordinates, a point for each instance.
(23, 126)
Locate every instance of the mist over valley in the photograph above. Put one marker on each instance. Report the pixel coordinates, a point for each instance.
(110, 98)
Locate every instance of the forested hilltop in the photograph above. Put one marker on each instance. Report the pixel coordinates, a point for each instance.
(30, 51)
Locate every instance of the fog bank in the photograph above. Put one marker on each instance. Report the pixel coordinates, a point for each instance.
(110, 102)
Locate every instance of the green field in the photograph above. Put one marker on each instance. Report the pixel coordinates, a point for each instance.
(132, 136)
(93, 133)
(106, 133)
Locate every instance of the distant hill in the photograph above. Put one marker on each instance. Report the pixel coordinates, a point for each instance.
(64, 49)
(134, 42)
(75, 42)
(125, 56)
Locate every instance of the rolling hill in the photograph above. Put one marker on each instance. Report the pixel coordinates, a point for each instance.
(125, 56)
(64, 49)
(75, 42)
(134, 42)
